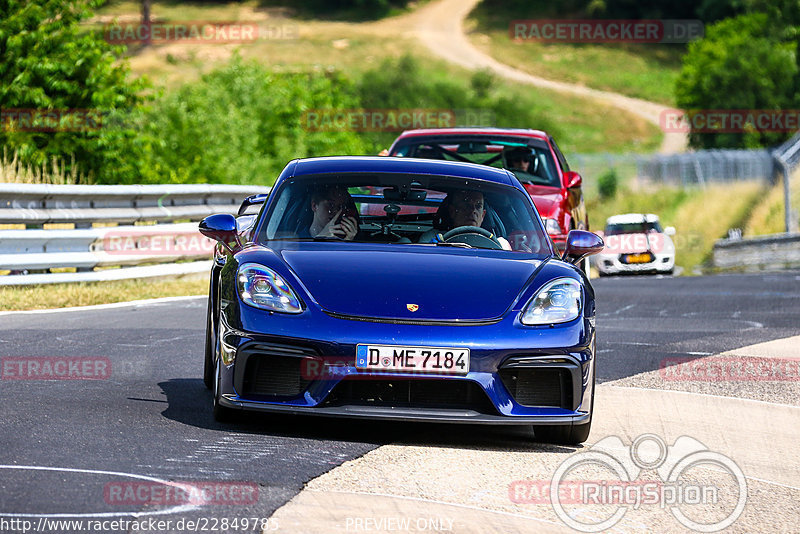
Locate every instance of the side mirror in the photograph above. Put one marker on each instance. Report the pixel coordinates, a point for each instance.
(669, 230)
(221, 227)
(573, 179)
(580, 244)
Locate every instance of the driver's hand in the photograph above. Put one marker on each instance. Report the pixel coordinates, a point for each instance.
(349, 226)
(346, 229)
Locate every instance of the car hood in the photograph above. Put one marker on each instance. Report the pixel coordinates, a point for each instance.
(424, 283)
(546, 199)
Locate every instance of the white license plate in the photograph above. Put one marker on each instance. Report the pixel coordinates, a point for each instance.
(446, 360)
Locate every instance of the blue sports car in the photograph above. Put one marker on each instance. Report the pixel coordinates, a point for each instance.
(401, 289)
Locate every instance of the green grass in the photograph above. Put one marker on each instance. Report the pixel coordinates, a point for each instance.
(86, 294)
(700, 216)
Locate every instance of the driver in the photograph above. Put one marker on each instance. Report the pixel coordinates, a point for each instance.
(332, 207)
(518, 159)
(459, 208)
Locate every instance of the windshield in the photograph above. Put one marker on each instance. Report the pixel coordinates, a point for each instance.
(530, 163)
(633, 228)
(404, 210)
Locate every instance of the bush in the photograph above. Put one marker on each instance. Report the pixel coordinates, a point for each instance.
(607, 184)
(239, 124)
(50, 63)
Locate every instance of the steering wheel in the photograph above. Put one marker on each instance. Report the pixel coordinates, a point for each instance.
(474, 236)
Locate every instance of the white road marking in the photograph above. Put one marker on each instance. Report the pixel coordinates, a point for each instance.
(172, 510)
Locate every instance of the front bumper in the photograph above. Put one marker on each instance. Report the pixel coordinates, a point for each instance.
(403, 413)
(271, 373)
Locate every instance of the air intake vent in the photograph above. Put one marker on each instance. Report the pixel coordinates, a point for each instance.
(538, 387)
(420, 393)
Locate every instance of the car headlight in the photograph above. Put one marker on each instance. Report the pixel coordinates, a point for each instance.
(558, 301)
(263, 288)
(552, 227)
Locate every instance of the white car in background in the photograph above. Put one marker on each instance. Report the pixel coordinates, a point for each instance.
(636, 243)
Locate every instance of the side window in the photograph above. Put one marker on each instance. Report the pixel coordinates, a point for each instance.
(561, 159)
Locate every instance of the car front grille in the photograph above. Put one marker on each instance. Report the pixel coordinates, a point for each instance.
(417, 393)
(538, 387)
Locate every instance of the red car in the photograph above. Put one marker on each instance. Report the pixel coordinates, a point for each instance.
(531, 155)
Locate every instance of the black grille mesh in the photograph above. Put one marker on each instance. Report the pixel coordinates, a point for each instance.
(538, 387)
(420, 393)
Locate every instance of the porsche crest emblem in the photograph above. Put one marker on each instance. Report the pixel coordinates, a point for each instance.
(412, 307)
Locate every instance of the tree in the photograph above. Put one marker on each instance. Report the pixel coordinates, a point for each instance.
(48, 62)
(741, 64)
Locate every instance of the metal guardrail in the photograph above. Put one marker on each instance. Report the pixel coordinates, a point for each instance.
(769, 252)
(141, 251)
(35, 204)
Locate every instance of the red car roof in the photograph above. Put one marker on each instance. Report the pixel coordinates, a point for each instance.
(518, 132)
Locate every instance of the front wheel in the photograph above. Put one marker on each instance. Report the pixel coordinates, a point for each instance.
(208, 365)
(569, 434)
(222, 414)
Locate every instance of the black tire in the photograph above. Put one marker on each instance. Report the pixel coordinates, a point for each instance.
(208, 364)
(222, 414)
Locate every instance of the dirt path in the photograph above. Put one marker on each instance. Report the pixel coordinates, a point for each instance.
(440, 26)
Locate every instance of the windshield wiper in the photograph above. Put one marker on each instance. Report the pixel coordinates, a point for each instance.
(328, 238)
(453, 244)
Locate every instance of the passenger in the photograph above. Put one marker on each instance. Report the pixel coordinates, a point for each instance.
(334, 214)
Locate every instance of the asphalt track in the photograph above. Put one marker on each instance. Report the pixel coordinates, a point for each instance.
(150, 417)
